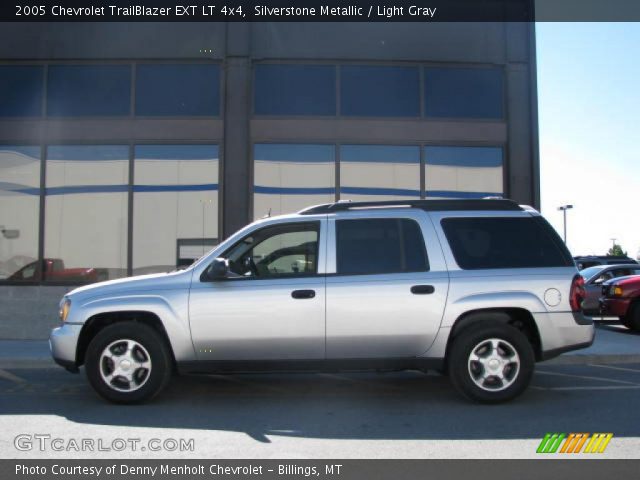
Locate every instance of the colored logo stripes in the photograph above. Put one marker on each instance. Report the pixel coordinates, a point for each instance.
(574, 443)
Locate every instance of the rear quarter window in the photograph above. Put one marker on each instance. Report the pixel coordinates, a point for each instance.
(505, 242)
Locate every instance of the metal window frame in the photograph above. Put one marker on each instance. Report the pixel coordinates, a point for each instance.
(422, 159)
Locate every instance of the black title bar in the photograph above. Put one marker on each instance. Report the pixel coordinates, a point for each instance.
(318, 10)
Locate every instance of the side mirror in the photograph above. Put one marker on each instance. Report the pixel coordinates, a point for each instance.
(218, 270)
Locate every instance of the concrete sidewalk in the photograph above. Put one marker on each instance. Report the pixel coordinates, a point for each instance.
(613, 344)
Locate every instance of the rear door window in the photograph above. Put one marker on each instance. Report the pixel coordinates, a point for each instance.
(381, 245)
(505, 242)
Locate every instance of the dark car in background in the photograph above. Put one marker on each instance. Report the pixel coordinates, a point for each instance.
(595, 277)
(621, 298)
(586, 261)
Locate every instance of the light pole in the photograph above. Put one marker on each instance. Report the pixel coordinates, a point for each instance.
(564, 209)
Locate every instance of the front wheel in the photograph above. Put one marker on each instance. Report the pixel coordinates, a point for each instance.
(128, 362)
(632, 319)
(491, 363)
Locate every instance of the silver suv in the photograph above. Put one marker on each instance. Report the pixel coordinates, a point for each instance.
(477, 289)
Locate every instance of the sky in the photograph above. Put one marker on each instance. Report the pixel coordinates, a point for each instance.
(589, 120)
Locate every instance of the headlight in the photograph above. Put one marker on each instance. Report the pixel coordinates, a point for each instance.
(65, 306)
(616, 291)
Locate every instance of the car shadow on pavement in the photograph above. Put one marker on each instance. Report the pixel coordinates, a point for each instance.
(407, 405)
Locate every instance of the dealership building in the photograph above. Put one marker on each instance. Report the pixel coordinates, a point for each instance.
(129, 148)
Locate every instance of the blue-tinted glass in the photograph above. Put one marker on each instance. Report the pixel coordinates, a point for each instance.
(88, 90)
(463, 92)
(295, 90)
(178, 90)
(379, 91)
(21, 90)
(464, 156)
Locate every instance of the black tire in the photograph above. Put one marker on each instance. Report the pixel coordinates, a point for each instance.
(632, 318)
(157, 376)
(516, 379)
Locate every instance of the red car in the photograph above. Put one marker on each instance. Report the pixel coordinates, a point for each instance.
(621, 298)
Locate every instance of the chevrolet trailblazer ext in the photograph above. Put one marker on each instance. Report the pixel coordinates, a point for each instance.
(477, 289)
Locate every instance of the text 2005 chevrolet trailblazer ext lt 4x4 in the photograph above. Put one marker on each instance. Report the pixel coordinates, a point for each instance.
(478, 289)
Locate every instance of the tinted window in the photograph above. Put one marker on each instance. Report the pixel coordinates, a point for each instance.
(463, 92)
(25, 85)
(481, 243)
(87, 90)
(385, 245)
(177, 89)
(379, 91)
(295, 90)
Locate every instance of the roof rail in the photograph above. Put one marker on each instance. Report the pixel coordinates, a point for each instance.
(427, 205)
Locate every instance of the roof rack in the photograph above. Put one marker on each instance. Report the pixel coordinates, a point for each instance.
(427, 205)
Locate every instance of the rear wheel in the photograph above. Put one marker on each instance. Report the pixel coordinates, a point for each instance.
(128, 363)
(491, 362)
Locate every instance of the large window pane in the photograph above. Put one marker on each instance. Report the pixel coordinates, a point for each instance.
(295, 90)
(379, 172)
(290, 177)
(463, 93)
(379, 91)
(175, 205)
(178, 89)
(19, 205)
(86, 212)
(463, 172)
(21, 89)
(88, 90)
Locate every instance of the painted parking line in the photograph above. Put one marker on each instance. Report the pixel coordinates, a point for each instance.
(624, 369)
(4, 375)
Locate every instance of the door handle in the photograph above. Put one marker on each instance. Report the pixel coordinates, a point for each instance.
(299, 294)
(422, 289)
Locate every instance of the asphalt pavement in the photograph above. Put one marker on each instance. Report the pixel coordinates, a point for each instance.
(49, 413)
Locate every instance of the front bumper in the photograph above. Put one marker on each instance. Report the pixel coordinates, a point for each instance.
(63, 343)
(615, 307)
(562, 332)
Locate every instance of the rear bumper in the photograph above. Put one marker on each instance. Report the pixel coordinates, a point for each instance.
(615, 307)
(562, 332)
(63, 342)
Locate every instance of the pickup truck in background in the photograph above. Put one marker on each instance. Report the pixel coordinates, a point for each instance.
(621, 298)
(54, 270)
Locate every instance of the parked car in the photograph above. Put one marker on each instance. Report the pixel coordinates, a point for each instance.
(595, 277)
(587, 261)
(477, 289)
(621, 298)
